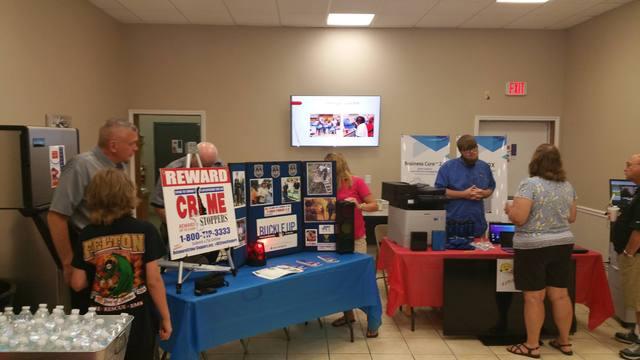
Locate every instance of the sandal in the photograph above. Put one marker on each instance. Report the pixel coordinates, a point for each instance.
(341, 321)
(523, 350)
(556, 345)
(372, 333)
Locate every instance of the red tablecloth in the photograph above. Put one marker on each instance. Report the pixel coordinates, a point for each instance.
(415, 278)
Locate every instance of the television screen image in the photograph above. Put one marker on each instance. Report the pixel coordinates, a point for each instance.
(335, 120)
(621, 191)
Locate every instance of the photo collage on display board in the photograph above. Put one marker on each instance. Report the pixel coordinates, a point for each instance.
(287, 206)
(320, 205)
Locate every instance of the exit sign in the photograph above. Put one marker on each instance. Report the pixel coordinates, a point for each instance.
(516, 88)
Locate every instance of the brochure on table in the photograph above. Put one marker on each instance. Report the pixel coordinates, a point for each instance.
(199, 212)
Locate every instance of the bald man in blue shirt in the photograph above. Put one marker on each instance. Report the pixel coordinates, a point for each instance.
(468, 181)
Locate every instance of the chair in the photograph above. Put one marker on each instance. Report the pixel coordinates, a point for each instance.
(381, 232)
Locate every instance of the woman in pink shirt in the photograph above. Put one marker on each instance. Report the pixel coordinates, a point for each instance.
(353, 189)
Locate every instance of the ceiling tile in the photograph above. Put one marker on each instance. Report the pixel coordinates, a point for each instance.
(123, 15)
(452, 13)
(356, 6)
(498, 15)
(106, 4)
(569, 22)
(162, 16)
(210, 12)
(598, 9)
(402, 13)
(303, 12)
(254, 12)
(147, 4)
(551, 13)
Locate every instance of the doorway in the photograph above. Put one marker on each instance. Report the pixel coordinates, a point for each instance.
(164, 136)
(524, 134)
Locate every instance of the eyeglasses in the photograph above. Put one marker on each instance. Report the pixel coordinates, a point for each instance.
(474, 150)
(628, 164)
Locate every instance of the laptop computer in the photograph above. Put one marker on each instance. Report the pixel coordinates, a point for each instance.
(496, 228)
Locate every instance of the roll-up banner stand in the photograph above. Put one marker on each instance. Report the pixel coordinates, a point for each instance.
(422, 156)
(493, 151)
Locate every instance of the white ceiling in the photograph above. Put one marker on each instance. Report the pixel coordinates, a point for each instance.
(555, 14)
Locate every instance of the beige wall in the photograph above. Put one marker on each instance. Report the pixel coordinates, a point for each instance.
(62, 56)
(431, 81)
(601, 119)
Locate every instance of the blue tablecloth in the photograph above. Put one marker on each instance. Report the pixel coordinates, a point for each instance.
(252, 305)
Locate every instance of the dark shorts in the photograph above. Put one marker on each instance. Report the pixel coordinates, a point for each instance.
(535, 269)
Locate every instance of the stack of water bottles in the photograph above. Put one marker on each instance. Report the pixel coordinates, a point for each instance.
(57, 332)
(460, 234)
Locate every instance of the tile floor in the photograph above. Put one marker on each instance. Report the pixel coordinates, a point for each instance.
(398, 342)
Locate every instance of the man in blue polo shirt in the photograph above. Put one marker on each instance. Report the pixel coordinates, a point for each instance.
(468, 181)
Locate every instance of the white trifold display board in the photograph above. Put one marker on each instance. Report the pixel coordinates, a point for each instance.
(422, 156)
(493, 150)
(199, 210)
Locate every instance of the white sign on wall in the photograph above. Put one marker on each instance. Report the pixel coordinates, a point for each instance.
(422, 156)
(493, 151)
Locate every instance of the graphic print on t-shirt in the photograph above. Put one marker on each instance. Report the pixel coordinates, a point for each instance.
(119, 277)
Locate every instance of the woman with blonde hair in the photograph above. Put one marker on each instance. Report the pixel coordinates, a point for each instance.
(353, 189)
(118, 262)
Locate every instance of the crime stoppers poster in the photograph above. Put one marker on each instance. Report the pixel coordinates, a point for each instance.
(199, 209)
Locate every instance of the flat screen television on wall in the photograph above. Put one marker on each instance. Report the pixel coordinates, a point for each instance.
(335, 120)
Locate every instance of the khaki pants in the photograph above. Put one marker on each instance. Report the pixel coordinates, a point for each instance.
(630, 274)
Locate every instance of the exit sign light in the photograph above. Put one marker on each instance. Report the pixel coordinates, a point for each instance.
(516, 88)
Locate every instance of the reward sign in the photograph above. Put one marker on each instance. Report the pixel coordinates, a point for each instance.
(199, 209)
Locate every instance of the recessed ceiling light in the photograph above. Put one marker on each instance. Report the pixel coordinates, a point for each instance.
(349, 19)
(523, 1)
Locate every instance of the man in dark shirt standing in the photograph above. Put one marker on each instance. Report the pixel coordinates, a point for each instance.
(626, 241)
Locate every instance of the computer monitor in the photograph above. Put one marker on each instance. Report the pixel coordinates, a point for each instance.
(621, 191)
(495, 228)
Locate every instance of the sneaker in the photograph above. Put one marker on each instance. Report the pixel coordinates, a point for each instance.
(631, 353)
(627, 338)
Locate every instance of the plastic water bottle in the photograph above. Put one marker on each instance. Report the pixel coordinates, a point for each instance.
(73, 327)
(4, 333)
(451, 229)
(57, 314)
(88, 319)
(55, 333)
(25, 317)
(469, 229)
(42, 312)
(37, 336)
(8, 313)
(100, 335)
